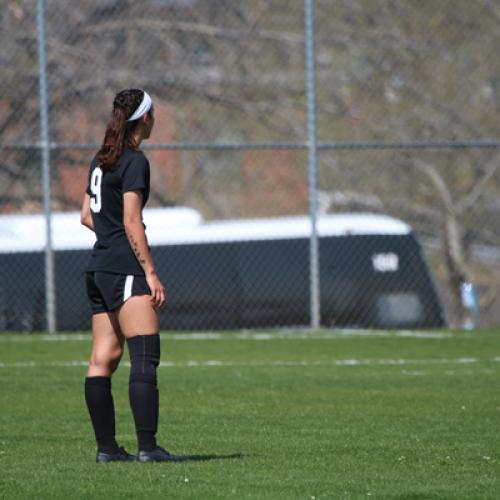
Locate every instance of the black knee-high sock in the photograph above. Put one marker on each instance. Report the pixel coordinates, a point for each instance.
(143, 392)
(102, 412)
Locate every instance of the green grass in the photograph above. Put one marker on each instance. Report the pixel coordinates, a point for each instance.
(284, 415)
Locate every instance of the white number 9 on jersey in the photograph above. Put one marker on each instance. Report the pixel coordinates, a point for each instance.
(95, 188)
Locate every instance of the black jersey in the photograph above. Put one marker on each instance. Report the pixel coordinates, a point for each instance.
(112, 251)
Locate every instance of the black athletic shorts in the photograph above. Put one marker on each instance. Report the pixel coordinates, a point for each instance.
(108, 291)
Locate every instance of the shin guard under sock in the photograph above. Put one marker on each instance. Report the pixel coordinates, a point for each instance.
(102, 412)
(144, 353)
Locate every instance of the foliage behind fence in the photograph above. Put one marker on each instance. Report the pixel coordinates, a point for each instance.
(407, 95)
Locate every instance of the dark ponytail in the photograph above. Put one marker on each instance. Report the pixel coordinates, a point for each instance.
(118, 130)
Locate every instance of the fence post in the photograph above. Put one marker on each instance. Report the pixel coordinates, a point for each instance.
(312, 168)
(50, 317)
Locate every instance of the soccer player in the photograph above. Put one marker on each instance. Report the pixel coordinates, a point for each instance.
(124, 290)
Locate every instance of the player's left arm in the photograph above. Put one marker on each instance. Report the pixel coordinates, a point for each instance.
(85, 215)
(134, 229)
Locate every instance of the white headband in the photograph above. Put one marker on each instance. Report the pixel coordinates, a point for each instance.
(143, 108)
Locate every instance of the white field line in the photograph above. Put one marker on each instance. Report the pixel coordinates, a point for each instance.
(279, 335)
(215, 363)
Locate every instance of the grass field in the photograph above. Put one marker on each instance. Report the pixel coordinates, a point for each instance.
(272, 415)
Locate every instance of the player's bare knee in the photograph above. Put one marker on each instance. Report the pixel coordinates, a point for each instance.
(107, 362)
(98, 363)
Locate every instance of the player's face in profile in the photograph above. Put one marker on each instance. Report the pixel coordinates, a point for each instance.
(149, 123)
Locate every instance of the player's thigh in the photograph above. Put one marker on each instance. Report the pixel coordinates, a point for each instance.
(137, 316)
(107, 341)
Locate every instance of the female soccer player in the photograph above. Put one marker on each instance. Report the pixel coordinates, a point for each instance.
(124, 290)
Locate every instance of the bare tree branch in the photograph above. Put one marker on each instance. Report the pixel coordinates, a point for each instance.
(478, 189)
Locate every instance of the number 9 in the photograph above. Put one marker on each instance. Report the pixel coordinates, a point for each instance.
(95, 188)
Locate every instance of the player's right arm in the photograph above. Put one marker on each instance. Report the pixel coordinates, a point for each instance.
(85, 215)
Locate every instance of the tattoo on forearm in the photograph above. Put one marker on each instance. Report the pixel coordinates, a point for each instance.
(135, 248)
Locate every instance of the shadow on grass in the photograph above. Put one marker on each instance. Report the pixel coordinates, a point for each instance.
(206, 458)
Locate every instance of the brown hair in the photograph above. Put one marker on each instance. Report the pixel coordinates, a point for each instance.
(118, 130)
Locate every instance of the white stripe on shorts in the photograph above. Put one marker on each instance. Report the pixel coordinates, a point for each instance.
(127, 289)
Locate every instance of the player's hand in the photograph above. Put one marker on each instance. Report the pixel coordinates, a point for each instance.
(158, 293)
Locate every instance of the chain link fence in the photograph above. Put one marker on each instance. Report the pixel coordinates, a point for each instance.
(406, 148)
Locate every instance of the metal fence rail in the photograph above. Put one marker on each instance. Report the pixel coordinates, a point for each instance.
(263, 114)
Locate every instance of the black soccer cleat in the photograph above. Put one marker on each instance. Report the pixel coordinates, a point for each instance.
(120, 456)
(158, 455)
